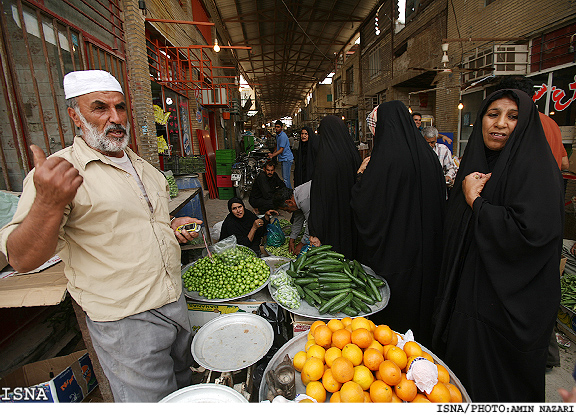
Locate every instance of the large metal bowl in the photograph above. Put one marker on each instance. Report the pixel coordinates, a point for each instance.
(307, 310)
(205, 393)
(298, 343)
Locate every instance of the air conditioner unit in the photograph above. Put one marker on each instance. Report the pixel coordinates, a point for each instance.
(215, 97)
(505, 59)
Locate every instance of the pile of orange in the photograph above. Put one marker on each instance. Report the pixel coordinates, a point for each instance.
(357, 361)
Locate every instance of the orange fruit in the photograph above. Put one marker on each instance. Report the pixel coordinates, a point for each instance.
(316, 390)
(353, 353)
(406, 389)
(335, 324)
(367, 398)
(395, 398)
(349, 328)
(380, 391)
(316, 351)
(390, 372)
(361, 337)
(305, 379)
(372, 359)
(342, 369)
(363, 376)
(306, 400)
(398, 356)
(331, 354)
(308, 344)
(330, 384)
(372, 325)
(412, 349)
(394, 338)
(383, 334)
(440, 393)
(316, 324)
(386, 348)
(377, 375)
(341, 338)
(299, 359)
(351, 392)
(346, 321)
(427, 356)
(335, 398)
(360, 322)
(376, 345)
(420, 398)
(443, 374)
(313, 369)
(455, 394)
(323, 336)
(310, 335)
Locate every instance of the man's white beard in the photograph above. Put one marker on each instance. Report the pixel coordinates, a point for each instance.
(100, 141)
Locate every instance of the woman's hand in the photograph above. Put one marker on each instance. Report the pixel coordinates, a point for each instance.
(258, 223)
(472, 186)
(363, 165)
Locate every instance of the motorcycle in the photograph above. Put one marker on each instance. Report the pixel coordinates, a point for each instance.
(246, 169)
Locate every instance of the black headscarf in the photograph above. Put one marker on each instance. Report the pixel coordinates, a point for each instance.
(499, 287)
(335, 170)
(240, 227)
(305, 157)
(398, 210)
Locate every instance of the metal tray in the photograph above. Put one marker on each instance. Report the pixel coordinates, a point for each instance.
(193, 295)
(232, 342)
(205, 393)
(298, 343)
(274, 262)
(307, 310)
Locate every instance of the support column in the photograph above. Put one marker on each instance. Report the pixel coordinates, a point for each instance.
(139, 83)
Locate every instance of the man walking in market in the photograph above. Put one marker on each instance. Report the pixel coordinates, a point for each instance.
(285, 156)
(104, 210)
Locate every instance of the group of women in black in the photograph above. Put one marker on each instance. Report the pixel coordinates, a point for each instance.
(475, 277)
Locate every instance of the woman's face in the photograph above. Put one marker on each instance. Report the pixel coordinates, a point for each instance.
(498, 123)
(238, 210)
(303, 135)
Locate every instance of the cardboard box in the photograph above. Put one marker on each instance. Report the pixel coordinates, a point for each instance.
(61, 379)
(200, 313)
(300, 324)
(47, 287)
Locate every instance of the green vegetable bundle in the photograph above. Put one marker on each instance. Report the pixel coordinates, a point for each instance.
(217, 278)
(172, 185)
(332, 284)
(568, 288)
(282, 250)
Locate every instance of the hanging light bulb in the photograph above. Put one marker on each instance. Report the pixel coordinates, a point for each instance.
(216, 46)
(410, 109)
(460, 105)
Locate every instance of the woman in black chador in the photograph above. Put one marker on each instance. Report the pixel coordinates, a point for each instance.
(245, 225)
(305, 157)
(398, 206)
(499, 288)
(335, 168)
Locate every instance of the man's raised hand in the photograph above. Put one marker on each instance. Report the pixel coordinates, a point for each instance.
(56, 180)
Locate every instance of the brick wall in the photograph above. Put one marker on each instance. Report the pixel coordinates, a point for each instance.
(139, 83)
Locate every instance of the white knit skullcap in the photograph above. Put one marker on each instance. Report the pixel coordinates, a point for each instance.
(83, 82)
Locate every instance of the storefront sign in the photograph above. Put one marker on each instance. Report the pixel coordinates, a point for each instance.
(559, 96)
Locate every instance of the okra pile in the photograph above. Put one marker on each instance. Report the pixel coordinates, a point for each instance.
(328, 281)
(568, 286)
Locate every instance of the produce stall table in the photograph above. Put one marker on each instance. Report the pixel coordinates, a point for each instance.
(48, 287)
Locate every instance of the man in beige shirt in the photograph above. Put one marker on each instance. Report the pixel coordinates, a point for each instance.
(104, 210)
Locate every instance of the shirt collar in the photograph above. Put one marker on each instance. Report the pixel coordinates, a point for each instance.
(86, 154)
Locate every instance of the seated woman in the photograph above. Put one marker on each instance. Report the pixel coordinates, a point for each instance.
(245, 225)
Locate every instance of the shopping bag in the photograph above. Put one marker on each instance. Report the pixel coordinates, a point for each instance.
(274, 233)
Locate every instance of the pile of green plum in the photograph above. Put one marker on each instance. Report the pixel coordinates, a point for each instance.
(226, 275)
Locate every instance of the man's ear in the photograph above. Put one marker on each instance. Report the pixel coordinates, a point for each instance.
(74, 115)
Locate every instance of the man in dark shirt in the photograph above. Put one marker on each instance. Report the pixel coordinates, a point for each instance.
(266, 183)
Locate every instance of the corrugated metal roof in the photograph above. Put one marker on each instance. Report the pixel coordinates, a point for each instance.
(293, 42)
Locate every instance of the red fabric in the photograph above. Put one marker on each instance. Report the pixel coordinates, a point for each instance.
(554, 137)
